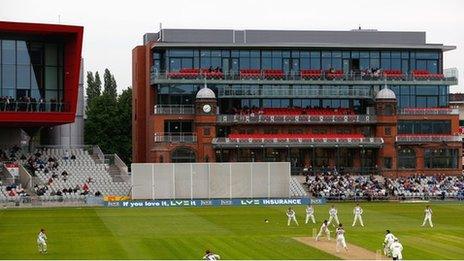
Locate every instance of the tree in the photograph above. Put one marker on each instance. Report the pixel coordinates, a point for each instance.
(109, 124)
(98, 83)
(124, 121)
(93, 86)
(110, 87)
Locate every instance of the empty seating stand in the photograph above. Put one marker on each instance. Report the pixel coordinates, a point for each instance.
(274, 74)
(250, 73)
(184, 74)
(299, 111)
(337, 74)
(311, 74)
(393, 74)
(425, 75)
(212, 74)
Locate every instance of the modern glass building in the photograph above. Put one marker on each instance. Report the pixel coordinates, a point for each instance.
(39, 76)
(358, 101)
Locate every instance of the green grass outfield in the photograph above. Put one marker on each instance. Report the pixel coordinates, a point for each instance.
(232, 232)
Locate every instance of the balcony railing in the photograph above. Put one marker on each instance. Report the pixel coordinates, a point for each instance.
(448, 76)
(172, 137)
(245, 91)
(296, 142)
(429, 111)
(406, 138)
(295, 119)
(37, 107)
(174, 109)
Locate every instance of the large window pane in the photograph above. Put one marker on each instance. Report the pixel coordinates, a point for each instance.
(51, 54)
(51, 78)
(8, 52)
(23, 77)
(23, 54)
(8, 76)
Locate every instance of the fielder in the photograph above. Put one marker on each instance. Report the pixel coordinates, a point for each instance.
(428, 216)
(42, 241)
(396, 249)
(357, 211)
(291, 216)
(341, 238)
(389, 239)
(211, 256)
(310, 214)
(333, 215)
(324, 229)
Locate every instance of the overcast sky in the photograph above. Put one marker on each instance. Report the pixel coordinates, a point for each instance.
(113, 27)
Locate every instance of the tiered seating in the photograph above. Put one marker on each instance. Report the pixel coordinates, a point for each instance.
(296, 188)
(425, 75)
(282, 111)
(311, 74)
(337, 74)
(393, 74)
(294, 136)
(250, 73)
(79, 171)
(185, 73)
(212, 74)
(274, 74)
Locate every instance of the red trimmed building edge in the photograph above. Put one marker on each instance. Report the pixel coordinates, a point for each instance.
(71, 37)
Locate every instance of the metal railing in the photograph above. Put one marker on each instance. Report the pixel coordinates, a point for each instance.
(173, 109)
(295, 119)
(448, 75)
(297, 142)
(171, 137)
(16, 106)
(429, 111)
(405, 138)
(245, 91)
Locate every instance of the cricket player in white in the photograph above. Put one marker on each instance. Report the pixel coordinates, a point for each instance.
(396, 249)
(333, 215)
(291, 216)
(324, 229)
(389, 239)
(42, 241)
(357, 211)
(428, 216)
(310, 214)
(211, 256)
(340, 238)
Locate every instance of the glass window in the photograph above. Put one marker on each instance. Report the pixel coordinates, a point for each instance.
(23, 77)
(406, 158)
(23, 53)
(8, 52)
(8, 76)
(51, 54)
(51, 78)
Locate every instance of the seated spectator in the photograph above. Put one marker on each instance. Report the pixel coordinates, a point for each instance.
(73, 157)
(64, 173)
(98, 194)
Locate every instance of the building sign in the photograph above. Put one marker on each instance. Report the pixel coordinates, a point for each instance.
(215, 202)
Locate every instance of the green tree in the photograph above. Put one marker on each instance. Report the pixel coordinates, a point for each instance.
(98, 83)
(109, 124)
(124, 121)
(110, 87)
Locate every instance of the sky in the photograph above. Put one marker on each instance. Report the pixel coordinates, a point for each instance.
(112, 28)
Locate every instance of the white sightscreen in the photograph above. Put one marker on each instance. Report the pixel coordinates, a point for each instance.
(210, 180)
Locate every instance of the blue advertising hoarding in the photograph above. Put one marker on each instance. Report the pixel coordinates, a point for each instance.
(214, 202)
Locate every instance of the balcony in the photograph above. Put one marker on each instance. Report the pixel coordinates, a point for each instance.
(426, 138)
(295, 119)
(244, 91)
(174, 109)
(171, 137)
(33, 107)
(428, 111)
(256, 76)
(294, 142)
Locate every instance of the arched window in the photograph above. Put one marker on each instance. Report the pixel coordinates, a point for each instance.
(183, 155)
(406, 158)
